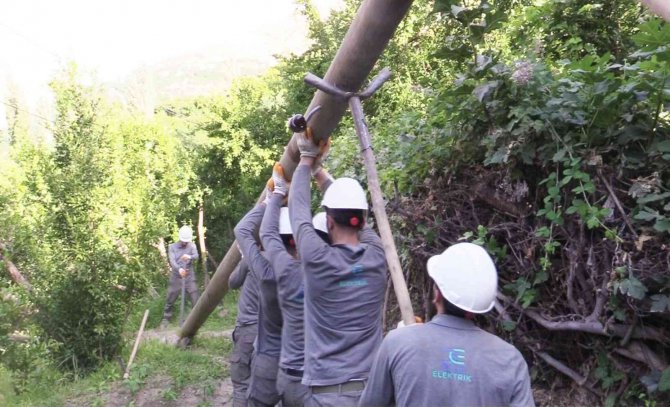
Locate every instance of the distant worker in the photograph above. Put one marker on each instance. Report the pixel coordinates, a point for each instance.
(277, 239)
(181, 256)
(265, 364)
(344, 285)
(449, 360)
(246, 329)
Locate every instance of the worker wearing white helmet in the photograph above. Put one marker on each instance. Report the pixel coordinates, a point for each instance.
(277, 239)
(449, 360)
(246, 329)
(344, 285)
(320, 222)
(262, 390)
(181, 256)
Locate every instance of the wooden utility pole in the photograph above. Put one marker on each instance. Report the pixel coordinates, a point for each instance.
(369, 33)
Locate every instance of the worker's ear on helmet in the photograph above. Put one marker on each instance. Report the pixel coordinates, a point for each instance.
(185, 234)
(320, 223)
(346, 203)
(466, 277)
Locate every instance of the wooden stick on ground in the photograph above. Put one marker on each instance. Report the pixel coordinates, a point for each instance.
(137, 344)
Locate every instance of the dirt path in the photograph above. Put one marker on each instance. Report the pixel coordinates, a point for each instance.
(170, 335)
(157, 392)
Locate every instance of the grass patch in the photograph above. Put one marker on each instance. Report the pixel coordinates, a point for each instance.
(201, 365)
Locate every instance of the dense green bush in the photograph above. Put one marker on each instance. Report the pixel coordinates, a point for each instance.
(86, 211)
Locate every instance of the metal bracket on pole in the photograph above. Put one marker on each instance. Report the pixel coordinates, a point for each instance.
(378, 205)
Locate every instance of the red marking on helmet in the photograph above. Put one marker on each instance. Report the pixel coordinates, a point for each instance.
(353, 221)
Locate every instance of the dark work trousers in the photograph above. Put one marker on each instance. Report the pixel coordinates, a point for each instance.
(240, 362)
(263, 383)
(174, 290)
(291, 390)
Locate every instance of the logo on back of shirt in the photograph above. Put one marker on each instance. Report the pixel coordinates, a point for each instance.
(354, 280)
(453, 367)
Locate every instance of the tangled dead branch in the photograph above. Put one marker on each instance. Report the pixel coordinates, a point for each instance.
(579, 296)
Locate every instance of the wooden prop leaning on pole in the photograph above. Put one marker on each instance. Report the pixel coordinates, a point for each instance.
(369, 32)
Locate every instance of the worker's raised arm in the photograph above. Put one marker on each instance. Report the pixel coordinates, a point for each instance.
(238, 275)
(172, 258)
(323, 179)
(368, 236)
(308, 242)
(274, 247)
(244, 233)
(269, 233)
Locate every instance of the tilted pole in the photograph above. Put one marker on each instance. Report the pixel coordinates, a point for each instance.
(378, 205)
(369, 33)
(660, 7)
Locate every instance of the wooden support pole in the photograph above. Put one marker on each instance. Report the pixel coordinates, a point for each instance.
(201, 240)
(136, 345)
(379, 208)
(369, 33)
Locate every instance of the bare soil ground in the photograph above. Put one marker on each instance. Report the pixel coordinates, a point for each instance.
(155, 393)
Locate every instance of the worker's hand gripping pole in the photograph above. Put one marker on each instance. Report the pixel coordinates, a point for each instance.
(378, 205)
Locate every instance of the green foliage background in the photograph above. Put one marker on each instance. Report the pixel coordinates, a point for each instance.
(538, 129)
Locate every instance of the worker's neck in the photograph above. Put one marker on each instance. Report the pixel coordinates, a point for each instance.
(340, 235)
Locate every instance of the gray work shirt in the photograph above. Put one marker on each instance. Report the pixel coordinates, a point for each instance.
(289, 285)
(247, 305)
(448, 361)
(344, 294)
(269, 314)
(175, 251)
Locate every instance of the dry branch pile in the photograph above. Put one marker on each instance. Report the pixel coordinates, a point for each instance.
(578, 321)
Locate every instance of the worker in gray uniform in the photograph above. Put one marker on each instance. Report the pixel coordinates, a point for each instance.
(265, 363)
(344, 285)
(246, 328)
(449, 360)
(181, 256)
(277, 239)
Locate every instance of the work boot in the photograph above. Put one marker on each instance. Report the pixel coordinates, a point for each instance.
(164, 323)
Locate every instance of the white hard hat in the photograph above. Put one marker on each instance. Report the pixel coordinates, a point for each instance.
(345, 193)
(284, 222)
(466, 277)
(185, 234)
(320, 222)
